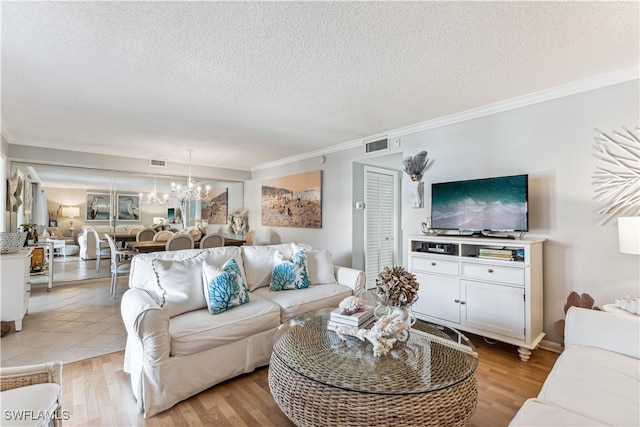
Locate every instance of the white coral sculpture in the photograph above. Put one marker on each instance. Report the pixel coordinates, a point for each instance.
(352, 305)
(383, 334)
(617, 179)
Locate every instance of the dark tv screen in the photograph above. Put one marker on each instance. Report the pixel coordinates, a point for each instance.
(488, 204)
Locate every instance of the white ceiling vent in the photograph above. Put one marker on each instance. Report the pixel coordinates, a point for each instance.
(376, 146)
(158, 163)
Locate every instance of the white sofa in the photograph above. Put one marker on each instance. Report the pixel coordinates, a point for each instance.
(176, 348)
(596, 379)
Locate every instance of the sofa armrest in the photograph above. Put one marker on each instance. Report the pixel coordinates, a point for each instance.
(146, 322)
(608, 331)
(355, 279)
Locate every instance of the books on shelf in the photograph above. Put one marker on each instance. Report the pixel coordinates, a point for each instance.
(355, 319)
(504, 253)
(333, 324)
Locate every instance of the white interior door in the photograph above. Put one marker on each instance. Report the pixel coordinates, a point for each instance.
(380, 221)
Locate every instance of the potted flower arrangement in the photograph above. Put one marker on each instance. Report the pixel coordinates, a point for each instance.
(32, 232)
(53, 217)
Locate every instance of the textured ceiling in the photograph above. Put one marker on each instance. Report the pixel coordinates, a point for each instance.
(247, 83)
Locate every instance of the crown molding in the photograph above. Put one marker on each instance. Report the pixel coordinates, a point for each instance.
(573, 88)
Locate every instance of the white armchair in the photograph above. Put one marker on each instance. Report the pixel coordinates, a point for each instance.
(32, 395)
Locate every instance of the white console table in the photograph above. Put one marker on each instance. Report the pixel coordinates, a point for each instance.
(15, 286)
(463, 288)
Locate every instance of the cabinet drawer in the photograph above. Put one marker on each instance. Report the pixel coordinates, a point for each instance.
(432, 265)
(493, 273)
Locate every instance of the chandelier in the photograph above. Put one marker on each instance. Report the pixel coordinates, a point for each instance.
(190, 192)
(153, 198)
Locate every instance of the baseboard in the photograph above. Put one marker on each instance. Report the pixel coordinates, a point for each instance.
(551, 346)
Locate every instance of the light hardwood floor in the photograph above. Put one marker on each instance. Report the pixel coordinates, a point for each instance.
(97, 392)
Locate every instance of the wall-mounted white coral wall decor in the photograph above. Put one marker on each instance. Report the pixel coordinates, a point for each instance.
(617, 178)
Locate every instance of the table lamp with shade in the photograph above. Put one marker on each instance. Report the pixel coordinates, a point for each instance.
(629, 234)
(71, 212)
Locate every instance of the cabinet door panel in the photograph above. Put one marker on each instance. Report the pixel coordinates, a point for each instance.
(437, 296)
(495, 308)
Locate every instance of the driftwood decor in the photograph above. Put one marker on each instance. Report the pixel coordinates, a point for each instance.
(396, 287)
(617, 179)
(415, 167)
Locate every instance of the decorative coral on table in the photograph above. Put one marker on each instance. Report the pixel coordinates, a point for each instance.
(383, 334)
(351, 305)
(396, 287)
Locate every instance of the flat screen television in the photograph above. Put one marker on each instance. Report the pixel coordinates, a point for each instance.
(497, 204)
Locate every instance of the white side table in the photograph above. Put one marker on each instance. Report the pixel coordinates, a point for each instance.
(58, 246)
(611, 308)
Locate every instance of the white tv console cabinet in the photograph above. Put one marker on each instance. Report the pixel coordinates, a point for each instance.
(500, 299)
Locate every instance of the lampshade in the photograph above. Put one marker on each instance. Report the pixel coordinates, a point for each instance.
(71, 211)
(629, 234)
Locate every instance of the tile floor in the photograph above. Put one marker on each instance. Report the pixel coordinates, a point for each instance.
(74, 321)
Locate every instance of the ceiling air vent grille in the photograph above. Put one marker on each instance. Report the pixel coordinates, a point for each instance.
(158, 163)
(375, 146)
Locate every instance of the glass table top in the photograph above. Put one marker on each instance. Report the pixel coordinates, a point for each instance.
(433, 358)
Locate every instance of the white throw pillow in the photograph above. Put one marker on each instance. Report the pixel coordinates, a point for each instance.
(320, 268)
(179, 284)
(258, 264)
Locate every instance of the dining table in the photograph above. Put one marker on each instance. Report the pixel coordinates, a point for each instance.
(121, 238)
(156, 246)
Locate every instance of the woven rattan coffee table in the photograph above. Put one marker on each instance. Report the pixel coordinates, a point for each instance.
(319, 380)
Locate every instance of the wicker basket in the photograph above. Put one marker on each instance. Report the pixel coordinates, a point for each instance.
(12, 242)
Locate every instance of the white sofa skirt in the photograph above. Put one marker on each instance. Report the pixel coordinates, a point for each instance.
(185, 376)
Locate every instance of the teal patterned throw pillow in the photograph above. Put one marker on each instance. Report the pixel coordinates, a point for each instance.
(290, 274)
(225, 288)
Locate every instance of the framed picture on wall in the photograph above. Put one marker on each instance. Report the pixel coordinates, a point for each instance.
(98, 206)
(215, 208)
(293, 201)
(128, 207)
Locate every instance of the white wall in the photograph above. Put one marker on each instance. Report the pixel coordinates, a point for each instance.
(551, 141)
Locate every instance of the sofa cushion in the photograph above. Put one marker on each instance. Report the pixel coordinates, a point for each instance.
(597, 382)
(198, 330)
(224, 288)
(293, 303)
(320, 267)
(290, 274)
(542, 414)
(179, 283)
(258, 261)
(41, 399)
(142, 275)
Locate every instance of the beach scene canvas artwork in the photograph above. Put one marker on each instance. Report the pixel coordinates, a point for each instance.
(293, 201)
(215, 208)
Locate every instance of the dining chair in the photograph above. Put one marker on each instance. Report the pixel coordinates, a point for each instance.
(145, 234)
(120, 263)
(212, 240)
(101, 250)
(163, 236)
(248, 239)
(179, 241)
